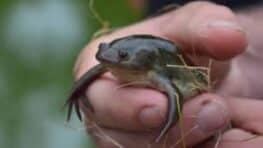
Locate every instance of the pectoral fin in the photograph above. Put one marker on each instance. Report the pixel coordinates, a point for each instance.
(173, 96)
(78, 90)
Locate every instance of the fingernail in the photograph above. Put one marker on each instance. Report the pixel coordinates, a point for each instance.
(151, 117)
(224, 24)
(212, 117)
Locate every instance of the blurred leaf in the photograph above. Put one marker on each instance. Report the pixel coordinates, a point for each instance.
(39, 43)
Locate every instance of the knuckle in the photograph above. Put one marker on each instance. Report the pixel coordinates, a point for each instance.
(217, 11)
(207, 98)
(203, 8)
(197, 5)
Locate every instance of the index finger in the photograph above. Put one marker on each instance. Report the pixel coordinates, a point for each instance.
(199, 27)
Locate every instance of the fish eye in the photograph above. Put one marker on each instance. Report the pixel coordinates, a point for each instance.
(122, 54)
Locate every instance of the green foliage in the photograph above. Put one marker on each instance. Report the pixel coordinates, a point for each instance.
(39, 43)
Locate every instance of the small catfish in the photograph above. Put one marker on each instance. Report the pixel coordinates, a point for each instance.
(144, 59)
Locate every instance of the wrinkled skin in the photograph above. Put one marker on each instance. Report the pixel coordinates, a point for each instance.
(143, 59)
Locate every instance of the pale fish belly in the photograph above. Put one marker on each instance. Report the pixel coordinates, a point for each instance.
(131, 76)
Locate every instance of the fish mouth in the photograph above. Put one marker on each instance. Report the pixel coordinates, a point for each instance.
(107, 59)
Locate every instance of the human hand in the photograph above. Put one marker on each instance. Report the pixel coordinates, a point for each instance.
(242, 81)
(127, 114)
(245, 70)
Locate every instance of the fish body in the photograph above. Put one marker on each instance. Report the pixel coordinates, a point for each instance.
(143, 60)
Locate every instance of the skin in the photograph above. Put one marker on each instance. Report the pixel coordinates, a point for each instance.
(143, 59)
(213, 31)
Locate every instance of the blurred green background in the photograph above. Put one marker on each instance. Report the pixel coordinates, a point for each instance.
(39, 42)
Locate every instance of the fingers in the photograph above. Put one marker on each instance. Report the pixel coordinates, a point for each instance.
(203, 117)
(127, 108)
(236, 138)
(241, 139)
(207, 29)
(201, 27)
(247, 119)
(247, 114)
(146, 111)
